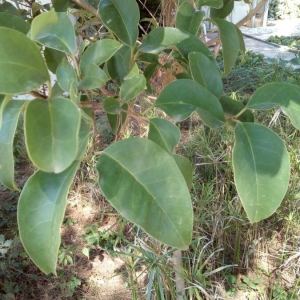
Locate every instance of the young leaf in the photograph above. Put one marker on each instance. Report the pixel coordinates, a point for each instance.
(122, 18)
(283, 94)
(65, 73)
(7, 132)
(51, 132)
(180, 98)
(164, 134)
(54, 30)
(14, 22)
(231, 43)
(41, 210)
(224, 11)
(111, 105)
(131, 88)
(206, 72)
(162, 38)
(94, 78)
(153, 195)
(185, 168)
(261, 169)
(53, 58)
(20, 71)
(98, 53)
(232, 107)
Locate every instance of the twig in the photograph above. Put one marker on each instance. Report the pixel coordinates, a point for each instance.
(178, 268)
(87, 7)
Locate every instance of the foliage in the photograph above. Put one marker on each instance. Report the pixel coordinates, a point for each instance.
(279, 9)
(143, 178)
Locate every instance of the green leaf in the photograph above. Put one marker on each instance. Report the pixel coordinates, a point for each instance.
(164, 134)
(149, 58)
(98, 53)
(131, 88)
(94, 78)
(231, 43)
(14, 22)
(84, 133)
(54, 30)
(53, 58)
(7, 132)
(162, 38)
(143, 182)
(117, 120)
(57, 91)
(185, 168)
(61, 5)
(20, 71)
(211, 3)
(9, 8)
(65, 73)
(261, 169)
(41, 210)
(283, 94)
(180, 98)
(206, 72)
(183, 76)
(51, 132)
(111, 105)
(232, 107)
(119, 65)
(195, 26)
(184, 16)
(224, 11)
(122, 18)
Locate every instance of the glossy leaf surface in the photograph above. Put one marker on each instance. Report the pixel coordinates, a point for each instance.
(132, 87)
(98, 53)
(53, 58)
(180, 98)
(20, 71)
(153, 195)
(7, 133)
(162, 38)
(54, 30)
(14, 22)
(41, 210)
(65, 73)
(283, 94)
(51, 131)
(94, 78)
(122, 18)
(206, 72)
(164, 133)
(261, 169)
(111, 105)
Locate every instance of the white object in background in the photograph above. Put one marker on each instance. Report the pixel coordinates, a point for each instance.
(240, 11)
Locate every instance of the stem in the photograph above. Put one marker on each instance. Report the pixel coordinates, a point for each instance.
(178, 268)
(240, 113)
(87, 7)
(49, 89)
